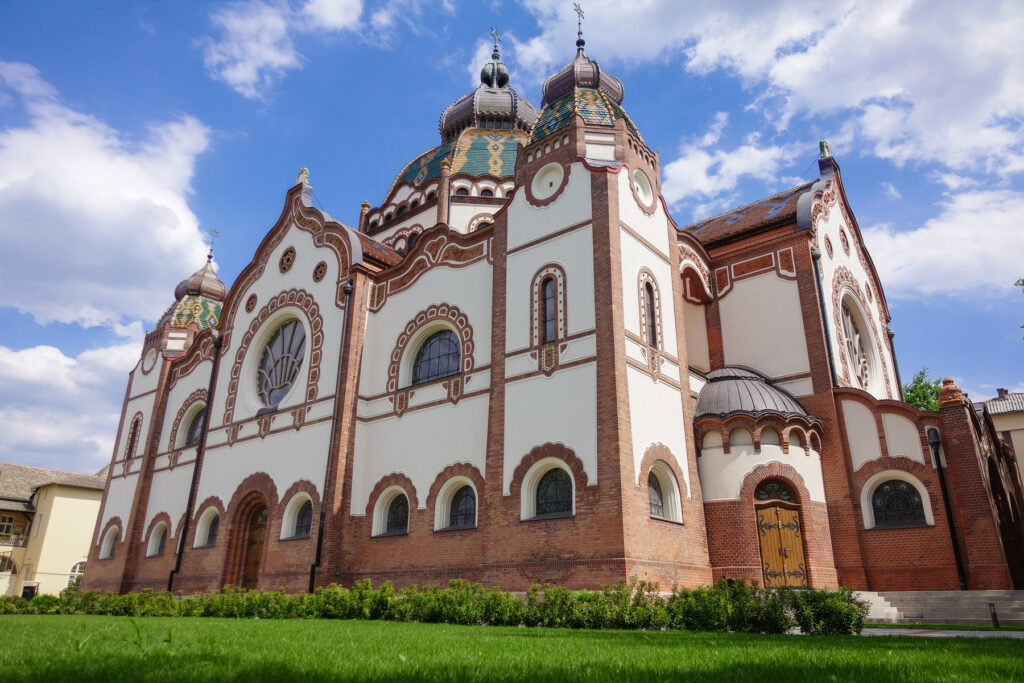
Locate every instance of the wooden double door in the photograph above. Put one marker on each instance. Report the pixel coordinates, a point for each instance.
(782, 546)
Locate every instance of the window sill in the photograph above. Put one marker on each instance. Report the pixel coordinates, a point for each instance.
(456, 528)
(297, 538)
(550, 515)
(435, 380)
(886, 527)
(206, 545)
(667, 520)
(391, 534)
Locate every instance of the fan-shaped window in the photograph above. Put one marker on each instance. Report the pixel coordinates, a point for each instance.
(654, 497)
(897, 503)
(438, 357)
(650, 316)
(856, 348)
(463, 511)
(76, 573)
(554, 493)
(304, 520)
(548, 296)
(486, 193)
(195, 428)
(462, 192)
(773, 490)
(280, 363)
(398, 516)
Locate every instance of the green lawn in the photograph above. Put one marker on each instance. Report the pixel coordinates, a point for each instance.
(77, 648)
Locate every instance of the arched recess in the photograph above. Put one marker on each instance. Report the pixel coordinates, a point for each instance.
(428, 321)
(538, 462)
(555, 272)
(867, 491)
(445, 485)
(255, 493)
(383, 494)
(293, 499)
(659, 459)
(190, 407)
(206, 512)
(110, 538)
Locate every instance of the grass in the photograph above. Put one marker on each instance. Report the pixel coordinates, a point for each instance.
(942, 627)
(85, 648)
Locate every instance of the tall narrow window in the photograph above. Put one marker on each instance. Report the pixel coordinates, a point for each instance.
(195, 428)
(304, 520)
(548, 300)
(133, 438)
(651, 315)
(413, 239)
(398, 516)
(654, 497)
(554, 493)
(463, 512)
(211, 532)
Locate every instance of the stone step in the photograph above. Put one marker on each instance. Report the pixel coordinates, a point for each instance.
(950, 607)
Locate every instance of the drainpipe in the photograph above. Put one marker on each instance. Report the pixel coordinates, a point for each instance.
(200, 451)
(347, 289)
(895, 363)
(816, 257)
(934, 440)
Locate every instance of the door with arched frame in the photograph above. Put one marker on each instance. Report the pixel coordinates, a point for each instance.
(254, 548)
(780, 534)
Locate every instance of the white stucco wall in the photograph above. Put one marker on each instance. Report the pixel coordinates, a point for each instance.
(635, 256)
(118, 502)
(697, 353)
(199, 378)
(653, 228)
(656, 416)
(721, 475)
(527, 222)
(861, 433)
(902, 438)
(536, 413)
(762, 326)
(169, 494)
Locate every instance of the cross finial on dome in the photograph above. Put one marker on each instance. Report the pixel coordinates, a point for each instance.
(214, 234)
(579, 26)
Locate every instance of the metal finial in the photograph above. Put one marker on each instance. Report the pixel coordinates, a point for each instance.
(823, 149)
(214, 234)
(579, 26)
(496, 34)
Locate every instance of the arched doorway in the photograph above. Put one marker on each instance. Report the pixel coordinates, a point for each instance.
(780, 533)
(254, 539)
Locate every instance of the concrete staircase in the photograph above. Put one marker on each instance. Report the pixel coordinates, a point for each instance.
(945, 607)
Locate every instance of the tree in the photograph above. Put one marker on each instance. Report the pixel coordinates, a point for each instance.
(922, 393)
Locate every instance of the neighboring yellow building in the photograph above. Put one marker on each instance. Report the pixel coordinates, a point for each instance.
(1007, 413)
(46, 523)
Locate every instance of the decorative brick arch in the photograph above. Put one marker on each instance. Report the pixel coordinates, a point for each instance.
(197, 513)
(297, 299)
(300, 486)
(774, 470)
(114, 521)
(134, 437)
(447, 313)
(254, 491)
(459, 469)
(171, 533)
(654, 453)
(557, 273)
(393, 479)
(844, 280)
(481, 218)
(193, 398)
(549, 450)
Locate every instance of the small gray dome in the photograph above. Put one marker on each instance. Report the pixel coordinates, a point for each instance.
(736, 390)
(495, 73)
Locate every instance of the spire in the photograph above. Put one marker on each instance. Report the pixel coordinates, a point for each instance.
(579, 27)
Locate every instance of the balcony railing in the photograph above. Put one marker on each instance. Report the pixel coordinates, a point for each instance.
(17, 540)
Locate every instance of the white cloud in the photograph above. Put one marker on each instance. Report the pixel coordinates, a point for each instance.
(923, 81)
(82, 199)
(891, 192)
(704, 171)
(972, 247)
(256, 44)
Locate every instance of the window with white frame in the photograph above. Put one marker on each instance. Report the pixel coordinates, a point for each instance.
(548, 490)
(456, 505)
(109, 546)
(157, 540)
(207, 528)
(298, 517)
(663, 493)
(76, 573)
(6, 525)
(391, 512)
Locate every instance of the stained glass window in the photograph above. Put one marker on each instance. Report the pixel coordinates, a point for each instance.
(398, 516)
(280, 363)
(195, 428)
(463, 512)
(438, 357)
(773, 490)
(657, 503)
(211, 531)
(548, 300)
(859, 359)
(304, 520)
(897, 503)
(554, 493)
(652, 321)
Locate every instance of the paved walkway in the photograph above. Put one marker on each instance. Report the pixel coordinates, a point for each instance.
(935, 633)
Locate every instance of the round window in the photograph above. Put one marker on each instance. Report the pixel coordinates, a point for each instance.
(547, 180)
(280, 363)
(149, 360)
(643, 187)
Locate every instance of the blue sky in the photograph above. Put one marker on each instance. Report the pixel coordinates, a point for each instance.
(128, 130)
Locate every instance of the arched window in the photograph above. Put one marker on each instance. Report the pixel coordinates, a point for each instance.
(388, 217)
(280, 362)
(206, 528)
(413, 239)
(462, 192)
(133, 437)
(548, 303)
(554, 493)
(373, 223)
(486, 193)
(76, 573)
(211, 531)
(304, 520)
(402, 209)
(650, 315)
(897, 503)
(415, 204)
(857, 346)
(195, 428)
(773, 490)
(438, 357)
(110, 540)
(654, 497)
(481, 226)
(398, 516)
(463, 510)
(431, 195)
(157, 541)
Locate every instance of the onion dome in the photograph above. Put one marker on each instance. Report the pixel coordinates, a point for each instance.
(582, 72)
(198, 300)
(736, 390)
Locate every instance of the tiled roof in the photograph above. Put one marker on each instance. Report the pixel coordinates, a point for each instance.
(17, 482)
(1013, 402)
(735, 390)
(204, 312)
(593, 105)
(775, 209)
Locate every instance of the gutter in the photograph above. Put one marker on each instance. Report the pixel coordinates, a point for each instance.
(200, 451)
(347, 289)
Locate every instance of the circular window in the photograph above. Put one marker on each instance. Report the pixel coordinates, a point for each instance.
(280, 363)
(857, 346)
(149, 360)
(547, 180)
(642, 185)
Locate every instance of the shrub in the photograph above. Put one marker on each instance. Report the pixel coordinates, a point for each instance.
(821, 612)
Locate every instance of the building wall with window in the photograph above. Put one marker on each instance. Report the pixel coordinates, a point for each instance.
(519, 369)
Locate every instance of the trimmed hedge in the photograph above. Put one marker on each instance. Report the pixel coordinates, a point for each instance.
(634, 605)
